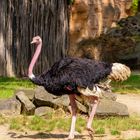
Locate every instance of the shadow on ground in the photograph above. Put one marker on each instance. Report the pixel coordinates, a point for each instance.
(43, 135)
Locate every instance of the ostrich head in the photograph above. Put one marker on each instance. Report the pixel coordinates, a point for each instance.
(36, 40)
(38, 43)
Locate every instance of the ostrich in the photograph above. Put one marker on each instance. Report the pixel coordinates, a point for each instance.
(76, 77)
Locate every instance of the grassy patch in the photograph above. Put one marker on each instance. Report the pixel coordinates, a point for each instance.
(37, 123)
(9, 85)
(18, 123)
(115, 132)
(81, 123)
(100, 130)
(129, 86)
(117, 123)
(62, 123)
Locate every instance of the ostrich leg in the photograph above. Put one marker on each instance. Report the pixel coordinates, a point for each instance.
(94, 103)
(74, 110)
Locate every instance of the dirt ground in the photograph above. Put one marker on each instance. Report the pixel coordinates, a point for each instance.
(132, 101)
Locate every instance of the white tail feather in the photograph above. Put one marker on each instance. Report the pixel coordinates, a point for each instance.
(120, 72)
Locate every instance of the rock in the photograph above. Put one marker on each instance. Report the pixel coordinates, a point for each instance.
(10, 107)
(109, 95)
(27, 106)
(62, 100)
(44, 98)
(117, 44)
(90, 19)
(107, 106)
(111, 108)
(64, 103)
(41, 111)
(30, 93)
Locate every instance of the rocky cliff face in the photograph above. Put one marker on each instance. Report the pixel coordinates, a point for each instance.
(90, 18)
(118, 44)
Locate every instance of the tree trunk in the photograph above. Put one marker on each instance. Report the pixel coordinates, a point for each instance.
(23, 19)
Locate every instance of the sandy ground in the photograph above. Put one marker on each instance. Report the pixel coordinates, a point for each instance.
(132, 101)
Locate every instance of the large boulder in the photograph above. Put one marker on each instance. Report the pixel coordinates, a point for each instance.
(10, 107)
(111, 108)
(44, 98)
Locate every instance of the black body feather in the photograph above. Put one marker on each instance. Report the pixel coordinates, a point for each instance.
(69, 73)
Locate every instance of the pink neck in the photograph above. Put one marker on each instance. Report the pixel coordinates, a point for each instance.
(34, 59)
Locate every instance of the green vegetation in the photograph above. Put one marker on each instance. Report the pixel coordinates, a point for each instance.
(100, 131)
(117, 124)
(129, 86)
(115, 132)
(135, 5)
(62, 123)
(9, 85)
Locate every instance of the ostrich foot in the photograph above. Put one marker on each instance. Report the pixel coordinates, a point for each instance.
(90, 129)
(71, 136)
(91, 132)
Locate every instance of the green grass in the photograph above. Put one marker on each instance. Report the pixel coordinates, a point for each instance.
(37, 123)
(9, 85)
(62, 123)
(129, 86)
(117, 124)
(100, 130)
(115, 132)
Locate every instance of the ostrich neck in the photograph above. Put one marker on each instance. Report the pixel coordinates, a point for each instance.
(33, 61)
